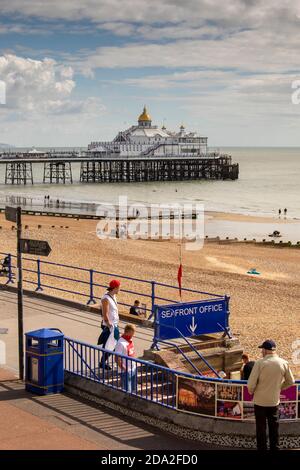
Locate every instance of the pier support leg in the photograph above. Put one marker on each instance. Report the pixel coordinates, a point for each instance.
(18, 173)
(58, 172)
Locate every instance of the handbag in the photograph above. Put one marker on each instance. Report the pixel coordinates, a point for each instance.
(116, 333)
(104, 335)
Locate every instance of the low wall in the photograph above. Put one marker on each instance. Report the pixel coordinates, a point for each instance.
(211, 430)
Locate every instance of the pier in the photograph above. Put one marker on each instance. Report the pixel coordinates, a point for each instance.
(99, 169)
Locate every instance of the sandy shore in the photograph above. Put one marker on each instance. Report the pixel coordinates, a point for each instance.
(261, 306)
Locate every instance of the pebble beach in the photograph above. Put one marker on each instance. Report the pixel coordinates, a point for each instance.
(264, 306)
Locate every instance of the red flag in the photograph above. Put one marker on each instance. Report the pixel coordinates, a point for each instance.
(179, 278)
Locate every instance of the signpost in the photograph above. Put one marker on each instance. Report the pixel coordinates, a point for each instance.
(35, 247)
(32, 247)
(192, 319)
(11, 214)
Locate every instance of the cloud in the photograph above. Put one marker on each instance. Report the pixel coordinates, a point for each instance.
(40, 106)
(36, 87)
(32, 84)
(252, 12)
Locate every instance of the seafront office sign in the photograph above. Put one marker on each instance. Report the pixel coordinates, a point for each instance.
(191, 319)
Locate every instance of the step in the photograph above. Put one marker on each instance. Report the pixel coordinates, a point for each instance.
(160, 388)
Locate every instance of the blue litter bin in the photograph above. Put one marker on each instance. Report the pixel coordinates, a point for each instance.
(44, 363)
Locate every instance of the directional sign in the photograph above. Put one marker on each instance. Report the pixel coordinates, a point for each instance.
(11, 214)
(35, 247)
(191, 319)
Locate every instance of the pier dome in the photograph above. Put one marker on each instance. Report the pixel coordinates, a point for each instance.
(144, 118)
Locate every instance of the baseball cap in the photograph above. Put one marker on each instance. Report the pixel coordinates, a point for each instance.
(269, 344)
(114, 283)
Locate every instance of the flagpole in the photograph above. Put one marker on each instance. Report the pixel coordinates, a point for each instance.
(179, 276)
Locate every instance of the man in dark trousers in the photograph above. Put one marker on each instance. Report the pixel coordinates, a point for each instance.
(269, 376)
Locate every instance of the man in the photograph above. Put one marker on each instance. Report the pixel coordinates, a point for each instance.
(134, 310)
(269, 376)
(125, 347)
(247, 367)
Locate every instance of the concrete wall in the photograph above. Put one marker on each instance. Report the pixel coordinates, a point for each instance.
(223, 432)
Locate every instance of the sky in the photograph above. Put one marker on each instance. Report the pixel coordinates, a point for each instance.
(77, 71)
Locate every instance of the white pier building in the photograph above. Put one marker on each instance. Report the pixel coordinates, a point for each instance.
(145, 140)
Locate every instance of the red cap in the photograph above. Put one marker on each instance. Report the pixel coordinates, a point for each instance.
(114, 283)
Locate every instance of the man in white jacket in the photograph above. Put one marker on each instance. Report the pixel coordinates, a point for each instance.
(269, 376)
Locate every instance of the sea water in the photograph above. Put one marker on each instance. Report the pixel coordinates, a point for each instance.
(269, 180)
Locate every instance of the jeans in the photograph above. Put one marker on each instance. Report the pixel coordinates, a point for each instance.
(264, 414)
(128, 381)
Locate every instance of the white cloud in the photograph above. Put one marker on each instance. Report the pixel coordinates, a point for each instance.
(246, 50)
(41, 87)
(32, 84)
(40, 107)
(251, 12)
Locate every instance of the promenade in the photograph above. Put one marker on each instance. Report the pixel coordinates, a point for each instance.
(39, 313)
(61, 422)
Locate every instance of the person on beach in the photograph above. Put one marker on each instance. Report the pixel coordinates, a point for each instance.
(134, 309)
(125, 347)
(279, 213)
(269, 376)
(247, 367)
(110, 314)
(285, 212)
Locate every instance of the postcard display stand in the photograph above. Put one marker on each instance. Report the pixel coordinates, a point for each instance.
(230, 400)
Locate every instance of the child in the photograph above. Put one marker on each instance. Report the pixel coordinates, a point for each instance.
(128, 367)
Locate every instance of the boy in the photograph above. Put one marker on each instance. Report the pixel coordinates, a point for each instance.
(125, 347)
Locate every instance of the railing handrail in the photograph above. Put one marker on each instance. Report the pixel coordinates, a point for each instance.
(191, 346)
(121, 276)
(158, 366)
(170, 343)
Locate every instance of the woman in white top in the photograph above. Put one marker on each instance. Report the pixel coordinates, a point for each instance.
(110, 334)
(110, 306)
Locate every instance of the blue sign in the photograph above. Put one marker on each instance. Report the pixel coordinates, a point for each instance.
(191, 319)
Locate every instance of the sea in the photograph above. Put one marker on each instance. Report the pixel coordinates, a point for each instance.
(269, 180)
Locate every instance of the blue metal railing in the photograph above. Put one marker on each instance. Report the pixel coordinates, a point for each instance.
(146, 380)
(136, 377)
(43, 274)
(204, 362)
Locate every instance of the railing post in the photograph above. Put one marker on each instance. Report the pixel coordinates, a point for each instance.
(227, 328)
(155, 345)
(10, 273)
(91, 299)
(152, 299)
(39, 284)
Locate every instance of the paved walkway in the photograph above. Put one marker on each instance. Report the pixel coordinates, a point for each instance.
(64, 422)
(39, 313)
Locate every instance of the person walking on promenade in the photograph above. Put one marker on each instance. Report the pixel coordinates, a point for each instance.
(247, 367)
(125, 347)
(110, 331)
(269, 376)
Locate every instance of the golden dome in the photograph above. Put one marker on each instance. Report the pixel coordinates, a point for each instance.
(144, 116)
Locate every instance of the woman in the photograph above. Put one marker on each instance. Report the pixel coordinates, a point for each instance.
(110, 331)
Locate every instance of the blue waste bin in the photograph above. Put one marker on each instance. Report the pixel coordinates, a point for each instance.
(44, 363)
